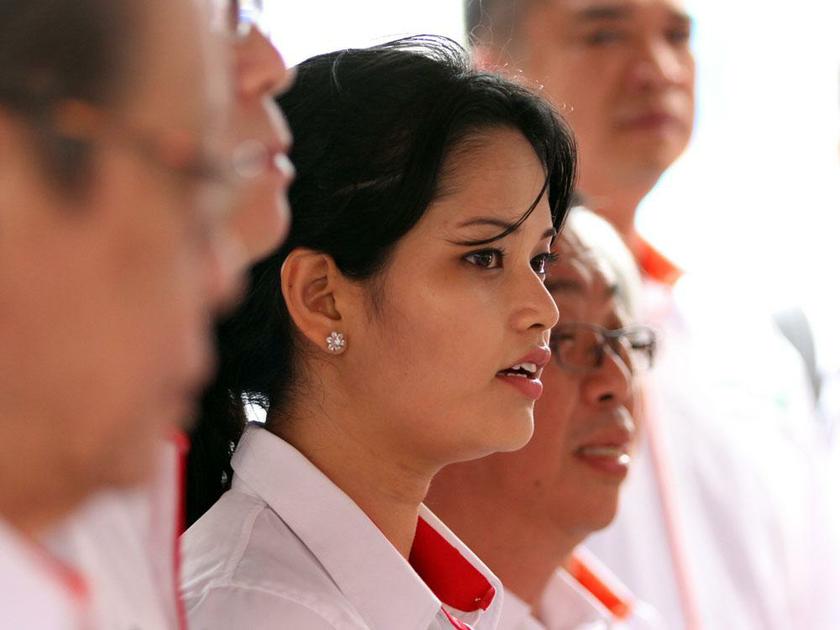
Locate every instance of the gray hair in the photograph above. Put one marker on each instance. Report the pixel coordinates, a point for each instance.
(605, 243)
(493, 21)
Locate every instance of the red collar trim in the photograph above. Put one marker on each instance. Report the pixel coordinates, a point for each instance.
(449, 575)
(70, 579)
(181, 440)
(619, 607)
(456, 623)
(654, 264)
(182, 443)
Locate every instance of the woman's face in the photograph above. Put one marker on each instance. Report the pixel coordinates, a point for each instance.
(108, 297)
(433, 354)
(567, 478)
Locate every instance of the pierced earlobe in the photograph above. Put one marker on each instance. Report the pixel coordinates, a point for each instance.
(336, 343)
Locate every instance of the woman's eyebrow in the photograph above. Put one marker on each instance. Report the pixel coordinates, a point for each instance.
(506, 228)
(491, 221)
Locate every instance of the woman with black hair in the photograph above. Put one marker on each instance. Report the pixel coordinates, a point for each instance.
(402, 327)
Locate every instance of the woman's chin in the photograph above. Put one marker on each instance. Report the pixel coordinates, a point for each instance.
(510, 434)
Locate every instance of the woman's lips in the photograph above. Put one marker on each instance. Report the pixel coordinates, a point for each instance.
(525, 373)
(529, 387)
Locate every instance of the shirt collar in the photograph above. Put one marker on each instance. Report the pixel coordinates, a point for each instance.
(585, 592)
(585, 596)
(600, 583)
(517, 614)
(37, 585)
(654, 264)
(370, 572)
(563, 604)
(567, 604)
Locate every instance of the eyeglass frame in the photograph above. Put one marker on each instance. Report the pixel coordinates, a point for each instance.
(239, 17)
(76, 120)
(607, 337)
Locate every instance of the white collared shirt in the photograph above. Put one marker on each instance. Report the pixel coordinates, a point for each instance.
(570, 603)
(124, 543)
(737, 442)
(35, 592)
(286, 548)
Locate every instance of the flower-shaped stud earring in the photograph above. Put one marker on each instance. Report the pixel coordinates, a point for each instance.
(336, 343)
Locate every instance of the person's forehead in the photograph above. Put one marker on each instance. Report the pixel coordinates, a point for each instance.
(579, 273)
(617, 9)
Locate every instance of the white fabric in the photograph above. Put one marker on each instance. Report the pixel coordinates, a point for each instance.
(566, 605)
(739, 438)
(124, 544)
(32, 595)
(286, 548)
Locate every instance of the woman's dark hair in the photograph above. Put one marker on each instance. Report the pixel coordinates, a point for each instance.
(57, 50)
(373, 130)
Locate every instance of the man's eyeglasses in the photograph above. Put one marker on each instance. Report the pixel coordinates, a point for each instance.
(218, 175)
(239, 17)
(581, 347)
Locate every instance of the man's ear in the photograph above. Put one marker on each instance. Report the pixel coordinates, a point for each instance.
(310, 282)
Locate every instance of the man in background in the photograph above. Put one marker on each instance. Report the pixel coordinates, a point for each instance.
(717, 527)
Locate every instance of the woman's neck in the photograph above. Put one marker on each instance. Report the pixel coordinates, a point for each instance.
(386, 487)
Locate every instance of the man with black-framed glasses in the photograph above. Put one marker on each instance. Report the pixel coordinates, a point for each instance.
(528, 512)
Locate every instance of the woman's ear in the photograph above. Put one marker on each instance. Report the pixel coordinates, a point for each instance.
(310, 282)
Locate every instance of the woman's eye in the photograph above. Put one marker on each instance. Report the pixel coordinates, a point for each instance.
(487, 259)
(541, 263)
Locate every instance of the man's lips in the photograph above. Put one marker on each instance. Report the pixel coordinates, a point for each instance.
(608, 451)
(649, 120)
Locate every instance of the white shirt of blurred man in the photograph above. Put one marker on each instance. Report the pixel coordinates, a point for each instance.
(718, 526)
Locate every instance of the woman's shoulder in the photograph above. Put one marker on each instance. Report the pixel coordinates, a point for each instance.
(242, 564)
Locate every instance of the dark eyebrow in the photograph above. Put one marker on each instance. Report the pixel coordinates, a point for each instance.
(605, 12)
(499, 223)
(622, 12)
(506, 227)
(681, 16)
(561, 285)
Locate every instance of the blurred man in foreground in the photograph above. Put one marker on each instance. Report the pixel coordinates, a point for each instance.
(125, 542)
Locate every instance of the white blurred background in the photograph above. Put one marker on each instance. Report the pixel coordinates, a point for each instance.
(758, 193)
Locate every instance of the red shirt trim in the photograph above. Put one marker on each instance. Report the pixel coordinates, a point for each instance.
(449, 575)
(182, 442)
(654, 264)
(73, 581)
(619, 607)
(456, 623)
